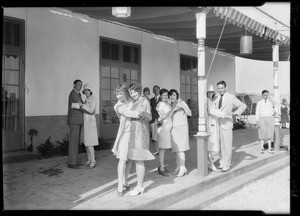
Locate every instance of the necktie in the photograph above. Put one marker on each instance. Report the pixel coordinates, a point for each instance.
(220, 102)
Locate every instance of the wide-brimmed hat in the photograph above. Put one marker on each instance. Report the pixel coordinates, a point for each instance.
(210, 89)
(87, 86)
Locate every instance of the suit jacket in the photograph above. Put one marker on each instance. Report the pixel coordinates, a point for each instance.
(229, 102)
(153, 104)
(75, 116)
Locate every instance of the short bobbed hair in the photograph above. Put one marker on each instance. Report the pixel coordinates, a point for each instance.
(122, 87)
(163, 90)
(136, 87)
(173, 91)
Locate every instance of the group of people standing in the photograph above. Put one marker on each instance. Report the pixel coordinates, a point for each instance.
(166, 114)
(163, 121)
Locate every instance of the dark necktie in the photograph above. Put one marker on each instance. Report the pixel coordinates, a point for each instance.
(220, 102)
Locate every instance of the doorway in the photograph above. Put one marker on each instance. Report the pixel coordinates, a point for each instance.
(13, 85)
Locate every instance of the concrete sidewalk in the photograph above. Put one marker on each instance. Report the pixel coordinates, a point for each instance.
(49, 184)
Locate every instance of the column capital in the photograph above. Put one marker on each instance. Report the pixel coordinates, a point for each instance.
(201, 9)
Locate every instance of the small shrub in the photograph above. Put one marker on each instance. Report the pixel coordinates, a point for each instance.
(63, 147)
(47, 150)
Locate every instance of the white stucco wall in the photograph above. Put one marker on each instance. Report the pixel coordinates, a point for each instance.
(253, 76)
(62, 46)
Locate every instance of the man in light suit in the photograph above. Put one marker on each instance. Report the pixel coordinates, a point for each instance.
(226, 102)
(75, 122)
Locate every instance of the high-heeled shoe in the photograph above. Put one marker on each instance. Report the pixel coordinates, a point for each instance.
(182, 173)
(213, 168)
(163, 173)
(88, 162)
(120, 194)
(92, 165)
(127, 188)
(136, 191)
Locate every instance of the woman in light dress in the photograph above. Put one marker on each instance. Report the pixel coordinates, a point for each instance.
(180, 131)
(139, 136)
(165, 111)
(121, 144)
(213, 127)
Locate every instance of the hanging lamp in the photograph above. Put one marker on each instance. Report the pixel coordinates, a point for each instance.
(121, 12)
(246, 44)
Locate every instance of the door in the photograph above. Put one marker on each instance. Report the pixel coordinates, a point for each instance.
(12, 101)
(189, 87)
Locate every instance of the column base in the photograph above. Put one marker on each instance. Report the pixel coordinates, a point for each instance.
(202, 157)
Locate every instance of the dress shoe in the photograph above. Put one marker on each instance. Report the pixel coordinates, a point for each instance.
(224, 170)
(176, 171)
(271, 151)
(73, 166)
(136, 191)
(163, 173)
(213, 168)
(182, 172)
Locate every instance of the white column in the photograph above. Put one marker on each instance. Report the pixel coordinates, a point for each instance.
(202, 99)
(202, 135)
(276, 95)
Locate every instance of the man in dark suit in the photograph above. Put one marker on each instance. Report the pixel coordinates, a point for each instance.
(75, 122)
(153, 123)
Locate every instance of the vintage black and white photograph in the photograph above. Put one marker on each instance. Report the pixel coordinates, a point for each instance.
(147, 108)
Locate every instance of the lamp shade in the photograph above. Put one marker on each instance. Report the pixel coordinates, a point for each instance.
(246, 45)
(121, 12)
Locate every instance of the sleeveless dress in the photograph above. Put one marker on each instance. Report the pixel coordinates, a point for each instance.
(164, 132)
(139, 134)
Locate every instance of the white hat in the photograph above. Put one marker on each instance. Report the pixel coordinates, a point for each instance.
(211, 88)
(87, 86)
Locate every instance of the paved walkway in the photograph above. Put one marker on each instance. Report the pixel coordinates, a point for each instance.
(49, 184)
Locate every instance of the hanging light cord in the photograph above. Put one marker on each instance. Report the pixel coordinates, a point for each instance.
(216, 48)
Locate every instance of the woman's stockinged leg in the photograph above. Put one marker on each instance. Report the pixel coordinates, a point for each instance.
(140, 172)
(92, 153)
(121, 168)
(161, 157)
(127, 170)
(88, 153)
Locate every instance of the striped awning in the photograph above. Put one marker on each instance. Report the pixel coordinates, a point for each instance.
(235, 17)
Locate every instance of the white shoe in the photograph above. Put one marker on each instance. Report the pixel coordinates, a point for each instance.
(182, 172)
(136, 191)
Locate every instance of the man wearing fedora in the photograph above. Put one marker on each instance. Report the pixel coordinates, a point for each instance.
(75, 122)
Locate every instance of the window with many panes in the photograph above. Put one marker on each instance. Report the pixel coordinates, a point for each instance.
(188, 78)
(119, 64)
